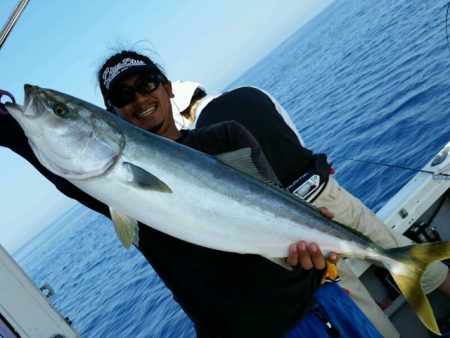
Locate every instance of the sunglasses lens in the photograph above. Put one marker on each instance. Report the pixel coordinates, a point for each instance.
(147, 84)
(121, 95)
(147, 87)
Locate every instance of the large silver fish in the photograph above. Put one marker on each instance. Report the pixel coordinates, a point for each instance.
(193, 196)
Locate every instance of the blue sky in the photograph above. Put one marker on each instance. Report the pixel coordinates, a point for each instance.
(61, 45)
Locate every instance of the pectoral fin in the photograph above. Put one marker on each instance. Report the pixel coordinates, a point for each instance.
(126, 227)
(143, 179)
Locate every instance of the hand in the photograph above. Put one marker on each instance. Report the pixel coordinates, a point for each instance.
(309, 256)
(327, 213)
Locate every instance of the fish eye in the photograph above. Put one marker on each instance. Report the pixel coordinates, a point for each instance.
(59, 109)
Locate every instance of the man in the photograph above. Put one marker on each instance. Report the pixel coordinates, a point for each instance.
(253, 298)
(225, 294)
(296, 167)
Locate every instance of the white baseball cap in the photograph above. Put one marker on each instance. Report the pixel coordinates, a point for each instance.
(183, 92)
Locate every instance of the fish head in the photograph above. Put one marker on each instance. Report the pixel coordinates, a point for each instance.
(70, 137)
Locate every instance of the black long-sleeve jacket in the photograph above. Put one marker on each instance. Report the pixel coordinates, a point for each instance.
(224, 294)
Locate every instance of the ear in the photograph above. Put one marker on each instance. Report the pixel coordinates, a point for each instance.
(168, 86)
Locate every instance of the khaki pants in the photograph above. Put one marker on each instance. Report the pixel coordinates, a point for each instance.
(351, 211)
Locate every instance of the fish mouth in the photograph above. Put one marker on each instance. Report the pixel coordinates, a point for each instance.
(15, 108)
(30, 93)
(12, 107)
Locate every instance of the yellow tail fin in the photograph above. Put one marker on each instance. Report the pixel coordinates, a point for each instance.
(407, 273)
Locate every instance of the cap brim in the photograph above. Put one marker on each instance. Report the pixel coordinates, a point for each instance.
(131, 70)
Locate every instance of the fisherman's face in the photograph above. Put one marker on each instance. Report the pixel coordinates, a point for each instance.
(150, 111)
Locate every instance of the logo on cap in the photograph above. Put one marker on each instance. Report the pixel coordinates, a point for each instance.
(112, 72)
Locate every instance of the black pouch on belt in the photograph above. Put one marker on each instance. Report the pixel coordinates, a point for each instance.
(312, 182)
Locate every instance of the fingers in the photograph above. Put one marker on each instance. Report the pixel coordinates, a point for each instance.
(292, 258)
(313, 257)
(332, 257)
(327, 213)
(306, 256)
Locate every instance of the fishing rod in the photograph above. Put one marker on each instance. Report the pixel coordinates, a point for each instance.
(12, 20)
(437, 175)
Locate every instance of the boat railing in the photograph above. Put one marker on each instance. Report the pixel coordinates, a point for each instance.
(9, 25)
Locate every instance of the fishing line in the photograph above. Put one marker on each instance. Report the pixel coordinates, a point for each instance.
(389, 165)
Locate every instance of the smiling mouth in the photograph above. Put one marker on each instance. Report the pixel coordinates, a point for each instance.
(147, 112)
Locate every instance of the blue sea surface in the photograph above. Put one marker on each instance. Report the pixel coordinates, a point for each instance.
(364, 80)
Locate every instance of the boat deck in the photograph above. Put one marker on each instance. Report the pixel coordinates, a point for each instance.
(380, 285)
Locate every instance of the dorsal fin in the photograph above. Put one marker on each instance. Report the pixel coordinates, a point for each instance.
(242, 160)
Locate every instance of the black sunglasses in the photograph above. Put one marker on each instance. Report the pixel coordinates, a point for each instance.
(122, 94)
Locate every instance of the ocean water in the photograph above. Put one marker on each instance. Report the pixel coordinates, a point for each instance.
(362, 80)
